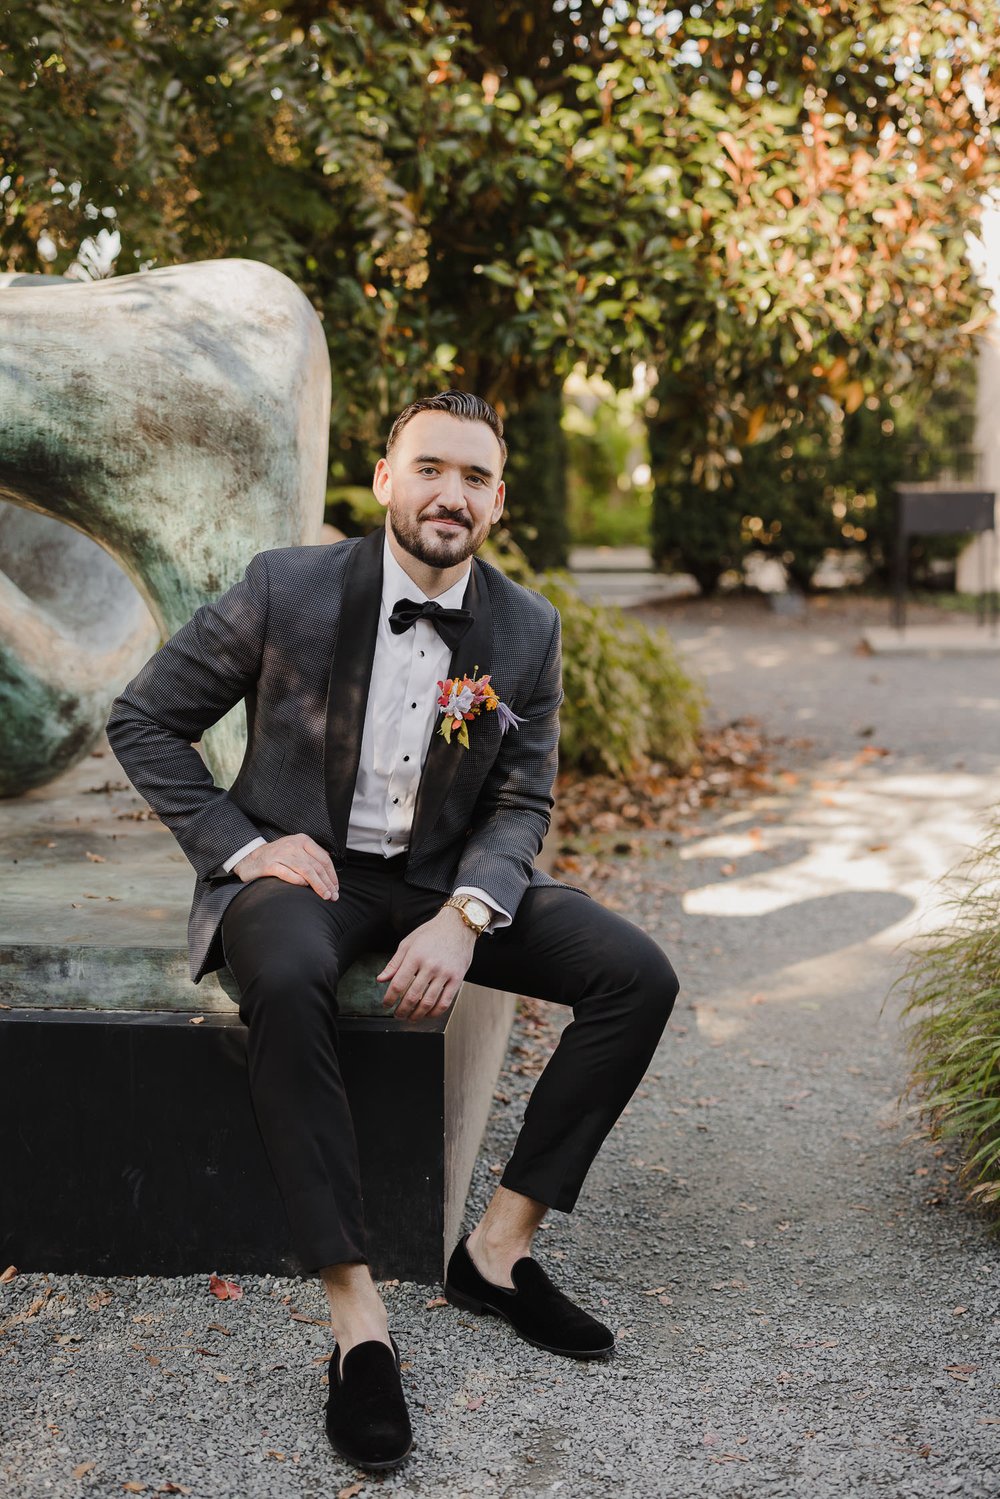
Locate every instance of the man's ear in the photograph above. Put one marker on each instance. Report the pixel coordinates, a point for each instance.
(498, 502)
(382, 482)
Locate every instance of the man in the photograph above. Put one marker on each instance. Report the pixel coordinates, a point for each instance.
(353, 824)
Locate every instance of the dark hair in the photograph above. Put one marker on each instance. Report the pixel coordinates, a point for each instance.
(458, 403)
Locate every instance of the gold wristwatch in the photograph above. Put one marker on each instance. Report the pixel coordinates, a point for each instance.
(474, 913)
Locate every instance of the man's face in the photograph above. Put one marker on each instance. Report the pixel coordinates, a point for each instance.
(441, 487)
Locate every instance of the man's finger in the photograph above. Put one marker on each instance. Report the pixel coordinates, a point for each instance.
(399, 988)
(320, 880)
(430, 1001)
(288, 873)
(319, 856)
(413, 993)
(393, 964)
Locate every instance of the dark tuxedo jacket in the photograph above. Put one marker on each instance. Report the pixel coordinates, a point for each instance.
(296, 639)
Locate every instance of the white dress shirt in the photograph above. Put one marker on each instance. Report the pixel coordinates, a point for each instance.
(400, 719)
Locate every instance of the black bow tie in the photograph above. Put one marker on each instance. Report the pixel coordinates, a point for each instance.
(451, 624)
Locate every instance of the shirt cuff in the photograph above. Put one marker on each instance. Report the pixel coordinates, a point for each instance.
(501, 918)
(241, 853)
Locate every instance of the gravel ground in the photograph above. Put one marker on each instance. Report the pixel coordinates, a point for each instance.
(804, 1305)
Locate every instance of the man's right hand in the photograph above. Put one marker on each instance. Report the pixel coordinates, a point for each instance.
(296, 859)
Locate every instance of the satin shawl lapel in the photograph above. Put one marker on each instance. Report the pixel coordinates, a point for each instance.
(472, 655)
(350, 679)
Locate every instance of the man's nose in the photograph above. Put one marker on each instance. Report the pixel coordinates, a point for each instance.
(450, 492)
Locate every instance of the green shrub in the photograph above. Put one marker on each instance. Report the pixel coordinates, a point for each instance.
(627, 699)
(953, 985)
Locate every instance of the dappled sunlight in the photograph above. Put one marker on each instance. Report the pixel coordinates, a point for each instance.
(980, 704)
(893, 835)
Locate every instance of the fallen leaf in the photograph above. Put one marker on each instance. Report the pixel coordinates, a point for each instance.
(174, 1488)
(273, 1452)
(224, 1378)
(476, 1403)
(95, 858)
(959, 1311)
(350, 1491)
(8, 1274)
(197, 1020)
(134, 1487)
(226, 1290)
(82, 1469)
(436, 1301)
(303, 1317)
(227, 1332)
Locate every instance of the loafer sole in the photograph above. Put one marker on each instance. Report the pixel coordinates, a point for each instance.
(381, 1466)
(487, 1309)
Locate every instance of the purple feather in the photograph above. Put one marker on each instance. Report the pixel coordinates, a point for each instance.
(508, 720)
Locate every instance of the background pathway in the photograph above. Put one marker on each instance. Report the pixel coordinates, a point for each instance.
(803, 1304)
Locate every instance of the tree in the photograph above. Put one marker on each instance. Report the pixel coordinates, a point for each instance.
(769, 202)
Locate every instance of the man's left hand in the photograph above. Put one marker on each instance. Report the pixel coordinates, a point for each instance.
(428, 966)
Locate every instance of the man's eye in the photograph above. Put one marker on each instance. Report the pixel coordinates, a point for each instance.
(476, 479)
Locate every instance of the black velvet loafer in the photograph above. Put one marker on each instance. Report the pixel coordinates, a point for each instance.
(535, 1308)
(366, 1416)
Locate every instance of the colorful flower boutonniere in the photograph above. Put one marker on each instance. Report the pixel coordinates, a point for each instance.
(464, 698)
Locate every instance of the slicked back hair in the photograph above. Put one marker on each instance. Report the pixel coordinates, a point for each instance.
(458, 403)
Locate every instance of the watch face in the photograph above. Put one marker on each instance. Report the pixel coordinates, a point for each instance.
(479, 913)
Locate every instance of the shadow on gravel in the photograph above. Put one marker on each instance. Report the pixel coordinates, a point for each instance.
(800, 931)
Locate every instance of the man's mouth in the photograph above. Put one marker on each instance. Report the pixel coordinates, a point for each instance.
(445, 520)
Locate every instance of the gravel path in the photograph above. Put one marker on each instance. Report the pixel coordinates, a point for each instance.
(804, 1306)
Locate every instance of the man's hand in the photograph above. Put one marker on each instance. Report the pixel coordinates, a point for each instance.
(428, 966)
(296, 859)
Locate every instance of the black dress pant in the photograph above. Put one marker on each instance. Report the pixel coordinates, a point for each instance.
(286, 948)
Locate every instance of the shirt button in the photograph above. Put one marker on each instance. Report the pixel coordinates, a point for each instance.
(395, 801)
(406, 757)
(421, 652)
(413, 705)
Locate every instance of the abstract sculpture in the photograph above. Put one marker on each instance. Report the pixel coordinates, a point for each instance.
(179, 418)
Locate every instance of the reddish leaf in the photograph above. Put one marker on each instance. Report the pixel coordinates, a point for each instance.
(8, 1274)
(226, 1290)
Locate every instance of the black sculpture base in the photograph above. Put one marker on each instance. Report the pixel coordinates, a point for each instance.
(130, 1145)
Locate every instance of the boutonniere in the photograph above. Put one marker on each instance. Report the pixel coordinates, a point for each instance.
(464, 698)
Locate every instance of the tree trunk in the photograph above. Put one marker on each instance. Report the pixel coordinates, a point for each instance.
(537, 506)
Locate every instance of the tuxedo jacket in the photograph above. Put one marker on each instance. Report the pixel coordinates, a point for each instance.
(295, 639)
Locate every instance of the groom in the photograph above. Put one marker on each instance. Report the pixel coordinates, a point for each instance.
(354, 825)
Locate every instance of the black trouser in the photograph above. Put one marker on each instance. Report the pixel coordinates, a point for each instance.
(287, 947)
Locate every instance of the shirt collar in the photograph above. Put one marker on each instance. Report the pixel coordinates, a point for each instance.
(397, 584)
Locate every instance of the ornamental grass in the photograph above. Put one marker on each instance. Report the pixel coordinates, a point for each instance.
(953, 1004)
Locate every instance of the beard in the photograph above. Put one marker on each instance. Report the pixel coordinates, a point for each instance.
(431, 547)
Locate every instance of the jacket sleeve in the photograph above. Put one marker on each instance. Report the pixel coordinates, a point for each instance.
(515, 805)
(192, 682)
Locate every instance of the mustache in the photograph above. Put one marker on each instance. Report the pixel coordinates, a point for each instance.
(456, 518)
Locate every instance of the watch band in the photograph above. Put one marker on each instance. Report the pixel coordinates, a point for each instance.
(459, 902)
